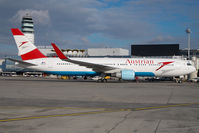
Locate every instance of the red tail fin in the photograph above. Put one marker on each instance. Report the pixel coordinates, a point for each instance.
(27, 50)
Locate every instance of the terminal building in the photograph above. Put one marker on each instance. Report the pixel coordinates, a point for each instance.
(90, 52)
(49, 52)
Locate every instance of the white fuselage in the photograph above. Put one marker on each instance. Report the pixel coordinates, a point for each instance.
(126, 68)
(141, 66)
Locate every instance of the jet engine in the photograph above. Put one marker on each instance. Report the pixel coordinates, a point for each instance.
(126, 75)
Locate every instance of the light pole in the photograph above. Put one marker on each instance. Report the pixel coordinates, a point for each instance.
(188, 31)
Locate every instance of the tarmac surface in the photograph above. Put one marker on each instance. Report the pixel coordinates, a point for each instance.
(36, 105)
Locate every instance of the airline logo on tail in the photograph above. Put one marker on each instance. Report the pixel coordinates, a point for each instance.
(22, 43)
(29, 51)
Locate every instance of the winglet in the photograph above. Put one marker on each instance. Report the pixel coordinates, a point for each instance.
(58, 52)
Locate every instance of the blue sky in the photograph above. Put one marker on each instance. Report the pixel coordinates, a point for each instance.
(86, 24)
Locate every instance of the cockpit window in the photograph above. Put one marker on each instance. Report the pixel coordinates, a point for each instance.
(188, 64)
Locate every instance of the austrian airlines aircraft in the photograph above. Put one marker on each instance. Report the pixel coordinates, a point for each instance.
(123, 68)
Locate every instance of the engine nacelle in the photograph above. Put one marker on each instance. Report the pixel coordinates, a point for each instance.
(126, 75)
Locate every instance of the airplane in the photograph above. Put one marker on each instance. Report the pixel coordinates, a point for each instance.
(121, 68)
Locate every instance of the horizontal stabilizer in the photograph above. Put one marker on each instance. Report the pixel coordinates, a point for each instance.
(21, 63)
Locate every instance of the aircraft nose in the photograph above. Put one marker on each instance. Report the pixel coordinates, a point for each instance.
(192, 69)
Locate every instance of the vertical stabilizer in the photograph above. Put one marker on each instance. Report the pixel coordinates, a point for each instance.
(27, 50)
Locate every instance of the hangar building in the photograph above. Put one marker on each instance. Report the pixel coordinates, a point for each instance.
(155, 50)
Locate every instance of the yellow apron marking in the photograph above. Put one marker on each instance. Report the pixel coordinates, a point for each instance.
(103, 110)
(33, 107)
(166, 106)
(59, 115)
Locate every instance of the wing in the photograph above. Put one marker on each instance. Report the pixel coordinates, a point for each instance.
(93, 66)
(21, 63)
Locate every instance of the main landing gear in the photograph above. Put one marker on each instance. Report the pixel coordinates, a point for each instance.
(179, 81)
(102, 80)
